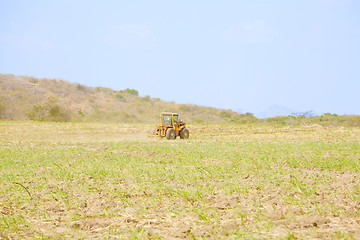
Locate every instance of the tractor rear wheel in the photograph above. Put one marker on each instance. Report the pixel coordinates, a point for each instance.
(184, 133)
(170, 134)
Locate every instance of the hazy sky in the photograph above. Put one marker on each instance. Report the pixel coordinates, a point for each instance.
(237, 54)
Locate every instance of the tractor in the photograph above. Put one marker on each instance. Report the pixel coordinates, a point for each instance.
(171, 127)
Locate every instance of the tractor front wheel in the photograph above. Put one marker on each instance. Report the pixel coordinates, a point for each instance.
(170, 134)
(184, 134)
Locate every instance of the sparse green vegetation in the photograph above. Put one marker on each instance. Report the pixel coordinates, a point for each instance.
(34, 80)
(27, 98)
(120, 97)
(80, 87)
(49, 111)
(132, 92)
(106, 180)
(21, 99)
(329, 120)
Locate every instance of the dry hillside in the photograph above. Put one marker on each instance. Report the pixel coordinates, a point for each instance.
(29, 98)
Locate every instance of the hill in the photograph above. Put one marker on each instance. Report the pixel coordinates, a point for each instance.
(30, 98)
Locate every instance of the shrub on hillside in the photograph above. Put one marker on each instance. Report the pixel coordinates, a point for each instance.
(102, 89)
(132, 92)
(50, 111)
(146, 99)
(80, 87)
(2, 109)
(34, 80)
(282, 120)
(58, 114)
(353, 120)
(120, 97)
(225, 114)
(37, 113)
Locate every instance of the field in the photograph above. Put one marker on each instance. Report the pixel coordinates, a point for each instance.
(114, 181)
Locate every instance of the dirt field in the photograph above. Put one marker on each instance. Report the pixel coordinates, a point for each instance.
(113, 181)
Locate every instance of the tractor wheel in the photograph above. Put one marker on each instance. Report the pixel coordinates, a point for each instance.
(184, 134)
(170, 134)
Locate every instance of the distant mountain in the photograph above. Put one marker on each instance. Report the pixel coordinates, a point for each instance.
(274, 111)
(29, 98)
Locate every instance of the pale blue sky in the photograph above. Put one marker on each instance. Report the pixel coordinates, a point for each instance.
(237, 54)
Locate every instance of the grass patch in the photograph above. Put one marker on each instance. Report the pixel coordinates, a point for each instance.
(101, 180)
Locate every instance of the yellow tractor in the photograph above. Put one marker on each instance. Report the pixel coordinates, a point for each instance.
(171, 127)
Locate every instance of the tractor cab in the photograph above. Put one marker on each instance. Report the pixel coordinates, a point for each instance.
(167, 120)
(171, 127)
(171, 120)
